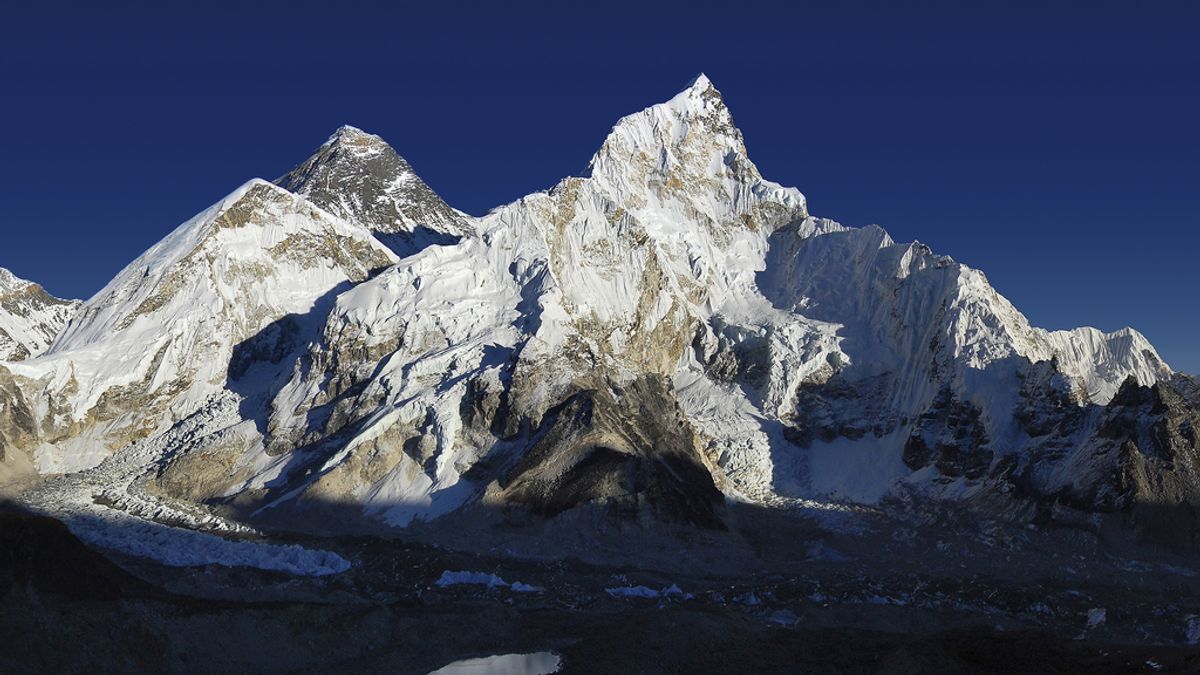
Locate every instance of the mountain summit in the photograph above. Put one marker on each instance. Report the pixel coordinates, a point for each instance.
(29, 317)
(664, 336)
(357, 176)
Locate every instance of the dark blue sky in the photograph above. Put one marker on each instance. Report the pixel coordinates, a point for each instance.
(1058, 151)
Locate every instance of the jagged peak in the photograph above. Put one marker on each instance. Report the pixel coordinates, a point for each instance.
(359, 177)
(235, 209)
(1132, 391)
(253, 190)
(1129, 332)
(29, 317)
(250, 185)
(687, 153)
(1122, 336)
(12, 282)
(348, 148)
(349, 134)
(698, 97)
(356, 142)
(9, 280)
(243, 239)
(700, 82)
(347, 130)
(692, 123)
(699, 100)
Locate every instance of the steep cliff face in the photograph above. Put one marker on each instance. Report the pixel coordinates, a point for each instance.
(935, 364)
(668, 329)
(30, 318)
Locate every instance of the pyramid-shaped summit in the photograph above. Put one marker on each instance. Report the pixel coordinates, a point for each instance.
(359, 177)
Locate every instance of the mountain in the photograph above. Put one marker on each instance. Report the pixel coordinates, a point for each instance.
(30, 317)
(358, 177)
(651, 341)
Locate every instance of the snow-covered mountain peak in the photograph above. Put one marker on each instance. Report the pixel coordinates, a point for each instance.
(685, 161)
(695, 117)
(168, 331)
(701, 82)
(29, 317)
(1101, 362)
(357, 142)
(257, 228)
(359, 177)
(699, 98)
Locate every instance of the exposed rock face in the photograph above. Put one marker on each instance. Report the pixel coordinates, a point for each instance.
(628, 448)
(1156, 430)
(1141, 455)
(1141, 449)
(18, 428)
(30, 318)
(666, 329)
(951, 437)
(358, 177)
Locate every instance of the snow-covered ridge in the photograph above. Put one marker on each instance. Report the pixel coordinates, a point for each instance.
(257, 221)
(30, 318)
(159, 339)
(1102, 361)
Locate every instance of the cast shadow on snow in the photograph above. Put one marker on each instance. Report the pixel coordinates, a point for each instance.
(261, 366)
(858, 404)
(404, 244)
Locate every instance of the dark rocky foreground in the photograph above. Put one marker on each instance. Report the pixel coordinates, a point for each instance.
(772, 594)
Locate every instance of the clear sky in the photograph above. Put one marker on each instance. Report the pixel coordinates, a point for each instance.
(1056, 149)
